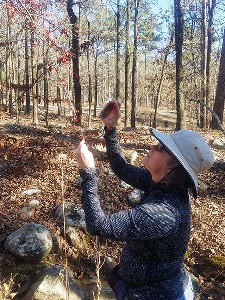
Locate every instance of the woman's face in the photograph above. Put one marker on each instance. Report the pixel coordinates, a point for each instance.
(158, 162)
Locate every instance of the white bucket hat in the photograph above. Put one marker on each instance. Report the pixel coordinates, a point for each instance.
(191, 150)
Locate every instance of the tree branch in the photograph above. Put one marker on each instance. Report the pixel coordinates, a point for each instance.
(210, 109)
(212, 112)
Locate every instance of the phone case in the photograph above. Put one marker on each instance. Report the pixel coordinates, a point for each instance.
(106, 109)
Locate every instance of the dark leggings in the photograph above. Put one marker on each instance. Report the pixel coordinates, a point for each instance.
(117, 284)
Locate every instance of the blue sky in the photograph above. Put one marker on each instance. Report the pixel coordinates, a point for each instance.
(162, 4)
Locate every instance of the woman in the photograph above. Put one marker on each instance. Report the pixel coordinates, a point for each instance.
(157, 230)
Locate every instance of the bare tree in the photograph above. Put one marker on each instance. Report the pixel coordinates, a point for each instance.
(46, 87)
(218, 107)
(95, 80)
(179, 32)
(34, 82)
(27, 110)
(134, 66)
(74, 20)
(89, 79)
(211, 10)
(118, 51)
(9, 65)
(203, 63)
(127, 62)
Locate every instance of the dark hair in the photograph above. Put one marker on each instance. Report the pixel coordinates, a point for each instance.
(179, 179)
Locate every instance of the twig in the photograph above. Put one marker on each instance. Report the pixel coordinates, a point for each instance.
(98, 267)
(64, 227)
(210, 109)
(199, 294)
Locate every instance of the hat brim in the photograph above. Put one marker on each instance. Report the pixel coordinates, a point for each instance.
(168, 141)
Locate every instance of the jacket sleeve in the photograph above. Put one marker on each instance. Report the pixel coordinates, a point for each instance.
(135, 176)
(142, 222)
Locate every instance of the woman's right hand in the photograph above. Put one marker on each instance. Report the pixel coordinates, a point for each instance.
(84, 157)
(111, 119)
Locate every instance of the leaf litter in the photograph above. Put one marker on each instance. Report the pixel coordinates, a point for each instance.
(30, 161)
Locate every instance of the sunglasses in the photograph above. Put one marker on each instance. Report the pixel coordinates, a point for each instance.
(161, 146)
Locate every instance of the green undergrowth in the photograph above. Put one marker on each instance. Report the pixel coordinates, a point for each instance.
(218, 261)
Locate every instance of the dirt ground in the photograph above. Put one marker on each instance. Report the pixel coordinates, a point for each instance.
(43, 158)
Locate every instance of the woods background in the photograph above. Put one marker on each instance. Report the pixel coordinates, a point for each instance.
(78, 54)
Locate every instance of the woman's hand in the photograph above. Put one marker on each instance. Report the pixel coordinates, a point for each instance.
(113, 114)
(84, 157)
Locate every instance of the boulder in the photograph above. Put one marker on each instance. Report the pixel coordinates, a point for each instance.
(31, 242)
(51, 284)
(74, 215)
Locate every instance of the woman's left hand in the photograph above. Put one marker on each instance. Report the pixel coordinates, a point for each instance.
(84, 157)
(111, 119)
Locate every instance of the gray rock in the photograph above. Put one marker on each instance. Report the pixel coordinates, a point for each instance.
(76, 238)
(106, 294)
(134, 197)
(74, 215)
(99, 151)
(220, 164)
(31, 242)
(51, 284)
(130, 155)
(202, 186)
(30, 209)
(219, 143)
(33, 203)
(30, 192)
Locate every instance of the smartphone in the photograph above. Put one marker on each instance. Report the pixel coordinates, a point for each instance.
(106, 109)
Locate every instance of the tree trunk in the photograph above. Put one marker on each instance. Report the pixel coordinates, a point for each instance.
(211, 10)
(118, 51)
(17, 97)
(76, 75)
(203, 64)
(58, 97)
(45, 59)
(179, 31)
(12, 80)
(158, 96)
(34, 82)
(134, 67)
(127, 63)
(35, 96)
(146, 100)
(96, 81)
(89, 80)
(9, 75)
(220, 90)
(27, 109)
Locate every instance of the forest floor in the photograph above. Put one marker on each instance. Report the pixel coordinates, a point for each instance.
(36, 157)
